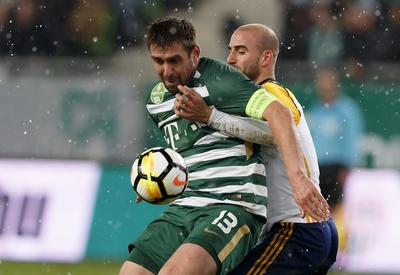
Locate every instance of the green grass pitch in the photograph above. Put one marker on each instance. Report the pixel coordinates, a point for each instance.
(84, 268)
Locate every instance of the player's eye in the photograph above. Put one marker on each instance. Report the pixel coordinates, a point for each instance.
(174, 60)
(158, 61)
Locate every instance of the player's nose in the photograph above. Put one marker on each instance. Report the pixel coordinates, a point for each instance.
(168, 70)
(231, 59)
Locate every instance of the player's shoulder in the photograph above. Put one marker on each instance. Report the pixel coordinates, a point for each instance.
(285, 96)
(217, 69)
(277, 89)
(208, 63)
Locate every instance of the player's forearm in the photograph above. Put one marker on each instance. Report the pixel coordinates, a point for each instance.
(248, 129)
(284, 131)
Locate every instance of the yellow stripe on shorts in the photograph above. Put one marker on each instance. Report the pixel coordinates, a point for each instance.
(233, 242)
(272, 250)
(284, 238)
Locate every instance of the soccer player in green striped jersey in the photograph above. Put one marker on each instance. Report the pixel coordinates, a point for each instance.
(217, 220)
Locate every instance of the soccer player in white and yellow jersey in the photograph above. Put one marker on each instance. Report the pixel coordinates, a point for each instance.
(292, 243)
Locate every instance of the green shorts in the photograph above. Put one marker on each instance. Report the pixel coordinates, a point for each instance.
(227, 232)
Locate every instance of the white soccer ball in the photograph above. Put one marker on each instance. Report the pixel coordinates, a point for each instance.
(159, 175)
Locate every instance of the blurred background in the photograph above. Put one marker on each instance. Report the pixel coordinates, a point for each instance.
(73, 77)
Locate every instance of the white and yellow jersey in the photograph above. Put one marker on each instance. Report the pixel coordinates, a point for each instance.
(281, 204)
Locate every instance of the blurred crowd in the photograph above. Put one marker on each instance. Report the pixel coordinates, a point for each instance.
(336, 32)
(76, 27)
(321, 31)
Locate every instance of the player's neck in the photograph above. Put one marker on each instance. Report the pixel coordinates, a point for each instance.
(263, 77)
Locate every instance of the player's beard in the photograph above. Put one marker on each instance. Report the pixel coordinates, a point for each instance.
(178, 81)
(172, 84)
(252, 71)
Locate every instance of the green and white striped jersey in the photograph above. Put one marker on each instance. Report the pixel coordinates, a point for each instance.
(222, 169)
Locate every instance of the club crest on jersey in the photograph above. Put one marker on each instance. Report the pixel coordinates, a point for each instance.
(157, 94)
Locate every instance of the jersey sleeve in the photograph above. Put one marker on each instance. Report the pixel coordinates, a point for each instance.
(246, 128)
(232, 92)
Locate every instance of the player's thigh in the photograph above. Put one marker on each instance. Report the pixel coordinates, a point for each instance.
(189, 259)
(288, 248)
(157, 243)
(307, 247)
(227, 233)
(129, 268)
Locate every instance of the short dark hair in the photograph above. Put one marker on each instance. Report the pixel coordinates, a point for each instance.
(169, 30)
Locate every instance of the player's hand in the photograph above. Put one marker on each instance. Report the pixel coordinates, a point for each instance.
(138, 199)
(190, 105)
(311, 202)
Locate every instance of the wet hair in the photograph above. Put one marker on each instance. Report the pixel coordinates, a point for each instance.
(164, 32)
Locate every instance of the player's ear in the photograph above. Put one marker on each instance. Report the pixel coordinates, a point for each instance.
(266, 57)
(196, 54)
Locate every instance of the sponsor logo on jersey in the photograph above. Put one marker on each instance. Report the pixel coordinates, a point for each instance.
(207, 230)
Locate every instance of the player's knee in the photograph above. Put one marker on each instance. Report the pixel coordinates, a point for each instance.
(176, 269)
(182, 269)
(124, 269)
(171, 270)
(130, 268)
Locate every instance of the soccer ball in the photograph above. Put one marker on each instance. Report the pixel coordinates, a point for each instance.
(159, 175)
